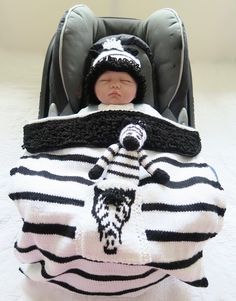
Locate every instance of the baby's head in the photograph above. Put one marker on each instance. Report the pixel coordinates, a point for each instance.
(115, 77)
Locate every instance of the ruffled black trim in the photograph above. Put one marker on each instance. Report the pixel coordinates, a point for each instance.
(113, 64)
(102, 129)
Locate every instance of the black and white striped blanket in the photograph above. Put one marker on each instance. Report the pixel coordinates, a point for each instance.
(75, 237)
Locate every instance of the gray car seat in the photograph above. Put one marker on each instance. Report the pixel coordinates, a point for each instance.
(162, 46)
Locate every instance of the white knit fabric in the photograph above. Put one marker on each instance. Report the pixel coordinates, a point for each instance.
(166, 231)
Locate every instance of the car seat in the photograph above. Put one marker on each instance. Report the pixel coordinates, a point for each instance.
(166, 65)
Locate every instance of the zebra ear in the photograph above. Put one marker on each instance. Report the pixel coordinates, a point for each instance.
(142, 124)
(124, 123)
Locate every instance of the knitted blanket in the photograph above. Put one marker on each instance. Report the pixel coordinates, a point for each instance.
(125, 231)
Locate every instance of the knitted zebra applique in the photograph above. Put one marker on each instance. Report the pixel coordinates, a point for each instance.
(115, 193)
(111, 209)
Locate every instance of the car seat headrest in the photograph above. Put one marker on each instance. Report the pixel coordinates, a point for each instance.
(79, 29)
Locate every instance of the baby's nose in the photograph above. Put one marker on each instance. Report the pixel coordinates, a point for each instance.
(115, 84)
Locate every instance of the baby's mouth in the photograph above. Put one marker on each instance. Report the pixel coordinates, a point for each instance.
(114, 93)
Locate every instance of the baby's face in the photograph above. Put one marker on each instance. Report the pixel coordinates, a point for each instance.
(115, 88)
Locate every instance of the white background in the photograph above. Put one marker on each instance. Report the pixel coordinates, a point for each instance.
(28, 25)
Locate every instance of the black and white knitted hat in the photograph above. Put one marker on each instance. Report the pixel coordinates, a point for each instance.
(114, 57)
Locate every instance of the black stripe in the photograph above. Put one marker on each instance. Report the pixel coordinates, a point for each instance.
(111, 151)
(142, 158)
(183, 208)
(180, 264)
(148, 165)
(94, 277)
(169, 236)
(25, 250)
(73, 157)
(69, 157)
(46, 229)
(79, 291)
(180, 164)
(45, 174)
(193, 181)
(105, 159)
(131, 129)
(35, 196)
(125, 165)
(13, 171)
(48, 254)
(176, 265)
(122, 174)
(115, 293)
(183, 184)
(199, 283)
(127, 156)
(169, 266)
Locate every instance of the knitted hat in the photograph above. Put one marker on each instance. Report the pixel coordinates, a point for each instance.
(114, 58)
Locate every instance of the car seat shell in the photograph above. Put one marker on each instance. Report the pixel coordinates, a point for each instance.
(79, 29)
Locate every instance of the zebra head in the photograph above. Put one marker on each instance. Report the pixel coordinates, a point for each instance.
(111, 209)
(133, 136)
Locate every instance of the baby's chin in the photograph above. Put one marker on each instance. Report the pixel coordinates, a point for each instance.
(116, 101)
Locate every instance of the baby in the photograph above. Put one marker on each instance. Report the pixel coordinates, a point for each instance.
(115, 82)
